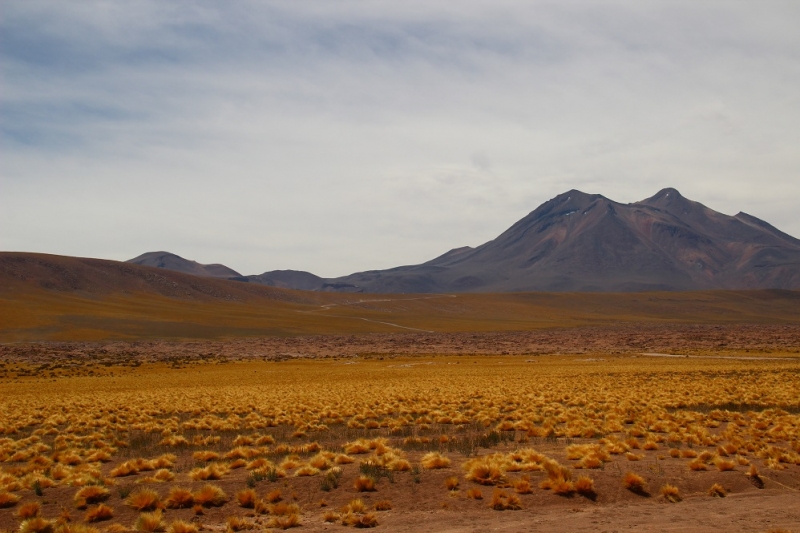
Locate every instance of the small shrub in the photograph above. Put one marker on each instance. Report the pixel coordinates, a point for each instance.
(273, 496)
(150, 522)
(99, 513)
(717, 491)
(584, 486)
(671, 493)
(90, 495)
(475, 493)
(28, 510)
(210, 496)
(503, 501)
(179, 526)
(36, 525)
(451, 483)
(8, 499)
(634, 483)
(247, 498)
(179, 498)
(383, 505)
(364, 484)
(434, 460)
(144, 500)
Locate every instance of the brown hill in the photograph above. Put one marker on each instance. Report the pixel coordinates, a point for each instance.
(47, 297)
(583, 242)
(177, 263)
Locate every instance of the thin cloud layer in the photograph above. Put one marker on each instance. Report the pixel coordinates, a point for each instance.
(343, 136)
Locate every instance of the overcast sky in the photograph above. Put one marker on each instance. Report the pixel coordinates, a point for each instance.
(343, 136)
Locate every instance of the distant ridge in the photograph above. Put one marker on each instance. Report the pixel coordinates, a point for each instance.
(177, 263)
(578, 242)
(588, 243)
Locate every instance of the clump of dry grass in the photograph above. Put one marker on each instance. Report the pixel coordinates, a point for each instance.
(150, 522)
(364, 484)
(383, 505)
(76, 528)
(584, 486)
(697, 465)
(634, 483)
(503, 501)
(8, 499)
(360, 521)
(451, 483)
(90, 495)
(99, 513)
(247, 498)
(284, 515)
(144, 500)
(724, 465)
(671, 493)
(475, 493)
(212, 472)
(236, 523)
(717, 491)
(179, 498)
(273, 496)
(522, 485)
(36, 525)
(28, 510)
(330, 516)
(434, 460)
(210, 496)
(179, 526)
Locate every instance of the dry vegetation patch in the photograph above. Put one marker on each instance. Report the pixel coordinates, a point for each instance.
(252, 445)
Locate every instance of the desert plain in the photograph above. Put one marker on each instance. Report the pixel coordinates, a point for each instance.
(255, 409)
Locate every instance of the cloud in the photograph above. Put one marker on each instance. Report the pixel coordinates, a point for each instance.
(336, 137)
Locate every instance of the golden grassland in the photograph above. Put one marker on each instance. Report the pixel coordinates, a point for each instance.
(251, 444)
(30, 313)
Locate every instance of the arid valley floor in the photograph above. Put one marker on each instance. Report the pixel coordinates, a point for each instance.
(319, 412)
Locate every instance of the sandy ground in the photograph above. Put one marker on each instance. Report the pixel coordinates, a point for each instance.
(724, 340)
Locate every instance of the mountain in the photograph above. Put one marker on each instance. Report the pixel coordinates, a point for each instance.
(177, 263)
(577, 242)
(586, 242)
(289, 279)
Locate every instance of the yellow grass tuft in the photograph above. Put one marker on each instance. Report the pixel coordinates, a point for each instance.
(8, 499)
(724, 465)
(584, 486)
(697, 465)
(210, 496)
(150, 522)
(144, 500)
(364, 484)
(28, 510)
(236, 523)
(179, 526)
(179, 498)
(451, 483)
(671, 493)
(99, 513)
(360, 521)
(90, 495)
(247, 498)
(717, 491)
(434, 460)
(36, 525)
(503, 501)
(475, 493)
(383, 505)
(273, 496)
(634, 483)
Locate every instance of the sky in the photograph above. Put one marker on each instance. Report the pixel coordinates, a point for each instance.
(337, 137)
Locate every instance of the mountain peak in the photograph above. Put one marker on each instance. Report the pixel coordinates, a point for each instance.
(177, 263)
